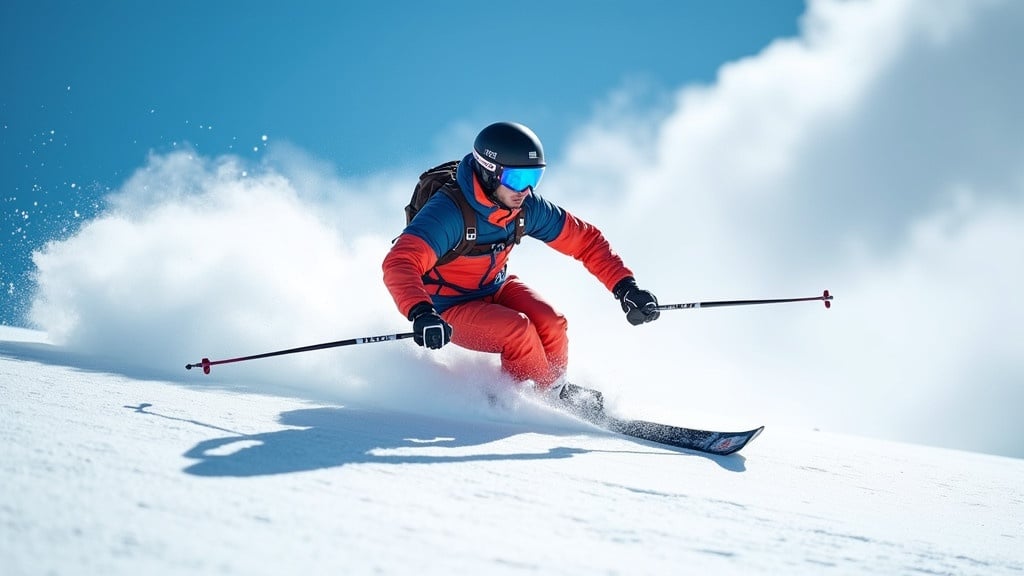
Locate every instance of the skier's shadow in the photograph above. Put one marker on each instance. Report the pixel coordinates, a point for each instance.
(331, 437)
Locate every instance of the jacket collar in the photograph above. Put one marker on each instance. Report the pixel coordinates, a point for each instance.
(481, 202)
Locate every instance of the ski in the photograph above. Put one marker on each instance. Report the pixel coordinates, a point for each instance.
(707, 441)
(588, 405)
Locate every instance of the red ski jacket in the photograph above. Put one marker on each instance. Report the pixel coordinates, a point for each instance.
(410, 271)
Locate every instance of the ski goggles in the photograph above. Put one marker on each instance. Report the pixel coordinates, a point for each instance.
(519, 179)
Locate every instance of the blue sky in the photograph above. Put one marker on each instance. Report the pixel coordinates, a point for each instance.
(868, 147)
(94, 87)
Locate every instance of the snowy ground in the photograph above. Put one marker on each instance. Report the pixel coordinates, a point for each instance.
(106, 474)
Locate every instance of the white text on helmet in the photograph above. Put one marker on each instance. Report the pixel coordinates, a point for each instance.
(489, 166)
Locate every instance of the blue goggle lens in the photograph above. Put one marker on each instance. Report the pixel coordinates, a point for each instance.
(519, 179)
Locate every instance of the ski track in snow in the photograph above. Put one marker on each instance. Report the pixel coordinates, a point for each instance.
(109, 474)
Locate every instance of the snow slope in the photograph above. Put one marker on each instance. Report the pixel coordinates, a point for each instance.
(104, 473)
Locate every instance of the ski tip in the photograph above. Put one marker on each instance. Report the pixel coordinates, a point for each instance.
(750, 436)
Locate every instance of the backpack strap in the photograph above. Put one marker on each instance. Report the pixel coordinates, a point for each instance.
(517, 236)
(468, 240)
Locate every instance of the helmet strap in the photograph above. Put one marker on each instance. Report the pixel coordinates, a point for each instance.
(488, 180)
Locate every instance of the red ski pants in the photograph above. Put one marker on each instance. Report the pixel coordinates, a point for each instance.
(520, 325)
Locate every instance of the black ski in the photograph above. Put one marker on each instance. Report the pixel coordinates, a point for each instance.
(589, 405)
(710, 442)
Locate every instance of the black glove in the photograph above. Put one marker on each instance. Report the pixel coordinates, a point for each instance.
(429, 329)
(639, 305)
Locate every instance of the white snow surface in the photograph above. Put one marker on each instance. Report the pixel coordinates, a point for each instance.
(106, 473)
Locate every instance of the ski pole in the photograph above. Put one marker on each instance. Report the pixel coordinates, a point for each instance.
(825, 297)
(205, 363)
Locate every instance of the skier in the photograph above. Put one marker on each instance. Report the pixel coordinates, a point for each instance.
(470, 301)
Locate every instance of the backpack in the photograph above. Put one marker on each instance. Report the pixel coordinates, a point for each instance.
(441, 178)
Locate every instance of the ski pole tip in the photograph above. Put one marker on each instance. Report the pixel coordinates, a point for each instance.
(827, 298)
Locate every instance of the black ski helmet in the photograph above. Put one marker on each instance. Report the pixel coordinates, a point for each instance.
(505, 144)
